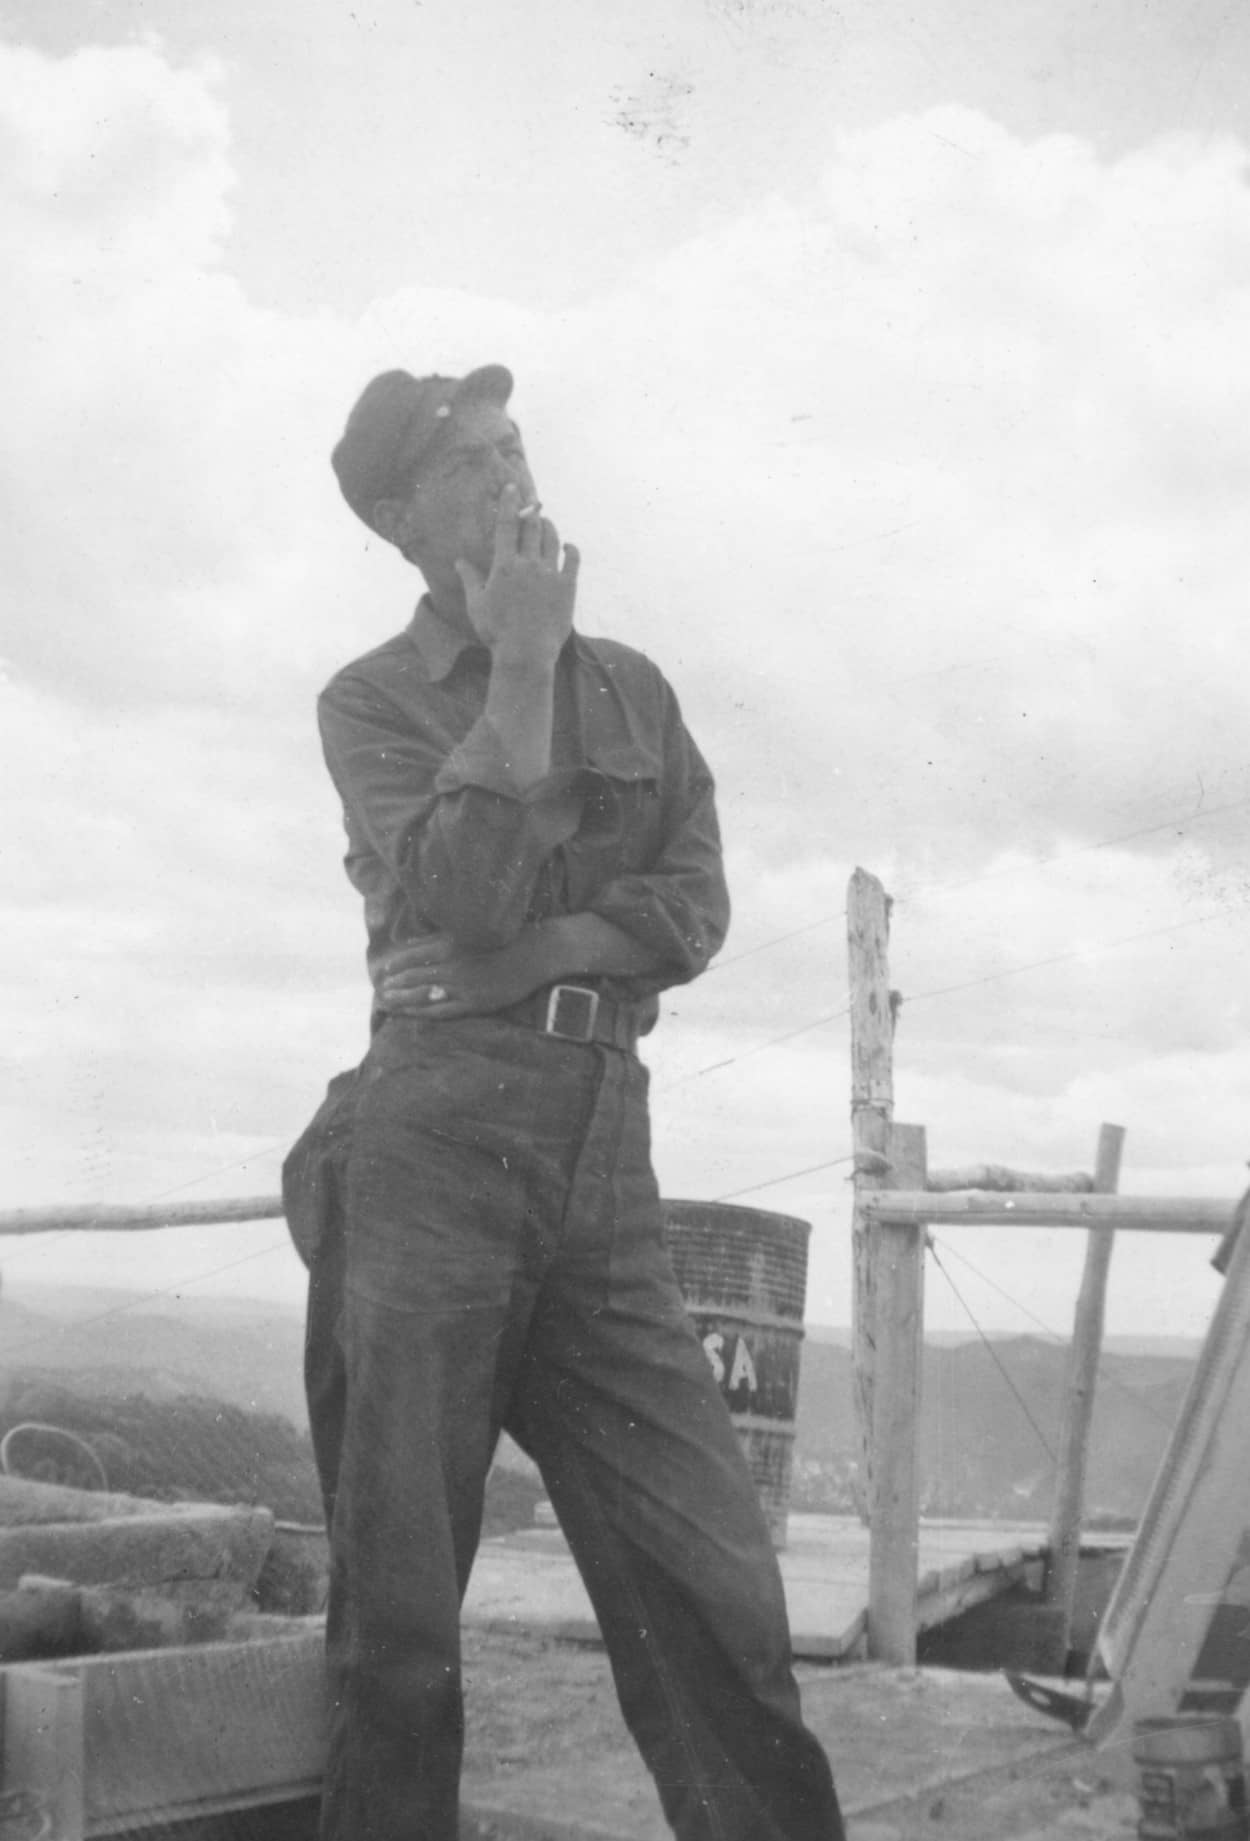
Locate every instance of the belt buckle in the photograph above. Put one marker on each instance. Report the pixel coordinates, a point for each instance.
(557, 1008)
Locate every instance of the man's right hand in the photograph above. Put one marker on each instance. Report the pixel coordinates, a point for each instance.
(523, 610)
(431, 978)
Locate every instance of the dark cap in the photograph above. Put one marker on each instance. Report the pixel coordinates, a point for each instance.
(394, 424)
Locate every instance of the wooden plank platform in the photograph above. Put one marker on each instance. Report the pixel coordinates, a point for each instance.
(132, 1741)
(117, 1747)
(527, 1580)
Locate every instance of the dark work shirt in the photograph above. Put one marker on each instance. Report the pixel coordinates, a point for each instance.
(440, 838)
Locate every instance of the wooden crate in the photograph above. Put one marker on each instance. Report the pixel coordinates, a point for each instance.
(120, 1742)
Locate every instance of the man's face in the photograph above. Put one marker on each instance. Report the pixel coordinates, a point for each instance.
(454, 503)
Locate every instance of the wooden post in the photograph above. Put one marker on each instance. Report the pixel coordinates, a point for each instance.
(898, 1258)
(872, 1109)
(44, 1749)
(1082, 1376)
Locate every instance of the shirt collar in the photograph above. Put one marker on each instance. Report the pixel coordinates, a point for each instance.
(440, 642)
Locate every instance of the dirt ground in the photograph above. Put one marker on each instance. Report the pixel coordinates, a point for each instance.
(926, 1753)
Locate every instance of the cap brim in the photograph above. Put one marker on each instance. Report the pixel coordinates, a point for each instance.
(490, 383)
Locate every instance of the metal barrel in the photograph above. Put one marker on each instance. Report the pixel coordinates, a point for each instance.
(743, 1276)
(1191, 1785)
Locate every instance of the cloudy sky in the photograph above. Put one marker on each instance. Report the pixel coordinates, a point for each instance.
(888, 364)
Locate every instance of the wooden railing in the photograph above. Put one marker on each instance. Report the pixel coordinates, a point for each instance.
(128, 1218)
(896, 1202)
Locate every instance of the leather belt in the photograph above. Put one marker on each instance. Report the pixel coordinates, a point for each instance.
(576, 1013)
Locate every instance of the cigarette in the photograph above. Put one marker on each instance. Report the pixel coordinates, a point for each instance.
(528, 511)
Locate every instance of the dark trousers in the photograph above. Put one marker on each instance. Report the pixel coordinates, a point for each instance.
(505, 1267)
(314, 1200)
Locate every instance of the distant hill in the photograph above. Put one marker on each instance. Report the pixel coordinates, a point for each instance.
(979, 1453)
(190, 1447)
(981, 1445)
(180, 1399)
(1183, 1348)
(247, 1353)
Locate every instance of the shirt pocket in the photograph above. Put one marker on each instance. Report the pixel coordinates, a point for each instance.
(620, 824)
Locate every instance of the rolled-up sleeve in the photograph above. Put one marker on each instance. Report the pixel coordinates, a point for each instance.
(678, 906)
(463, 842)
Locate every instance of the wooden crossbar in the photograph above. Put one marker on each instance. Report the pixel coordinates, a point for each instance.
(1149, 1214)
(138, 1217)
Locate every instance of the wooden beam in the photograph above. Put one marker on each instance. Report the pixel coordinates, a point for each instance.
(138, 1217)
(1174, 1628)
(899, 1354)
(872, 1109)
(1078, 1411)
(1150, 1214)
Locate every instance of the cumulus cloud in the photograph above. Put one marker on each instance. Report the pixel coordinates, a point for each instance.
(923, 478)
(161, 429)
(932, 490)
